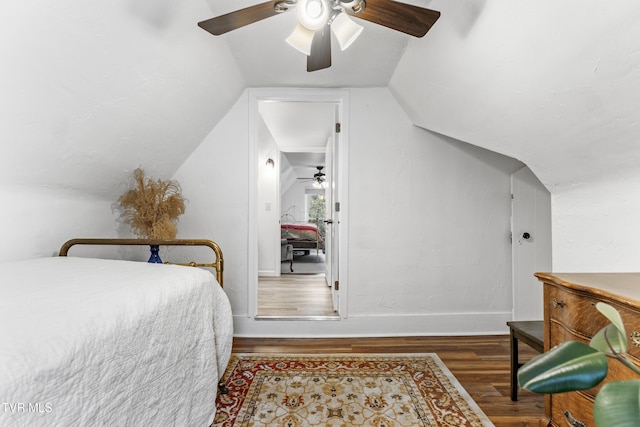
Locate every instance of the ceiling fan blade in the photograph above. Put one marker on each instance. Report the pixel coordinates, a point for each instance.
(320, 57)
(231, 21)
(406, 18)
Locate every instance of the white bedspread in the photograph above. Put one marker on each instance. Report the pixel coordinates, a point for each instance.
(88, 342)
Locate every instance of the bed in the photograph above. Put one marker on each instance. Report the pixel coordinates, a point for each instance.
(303, 237)
(299, 237)
(111, 343)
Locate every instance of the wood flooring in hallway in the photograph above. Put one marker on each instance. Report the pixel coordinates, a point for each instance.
(295, 296)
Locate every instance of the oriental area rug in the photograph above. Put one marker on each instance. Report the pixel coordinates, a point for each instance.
(344, 390)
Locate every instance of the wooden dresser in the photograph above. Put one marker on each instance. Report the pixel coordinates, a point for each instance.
(570, 314)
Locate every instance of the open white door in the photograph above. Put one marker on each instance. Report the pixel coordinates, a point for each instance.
(531, 242)
(332, 222)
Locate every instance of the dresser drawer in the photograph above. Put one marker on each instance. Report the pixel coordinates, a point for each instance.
(571, 409)
(579, 318)
(561, 333)
(576, 312)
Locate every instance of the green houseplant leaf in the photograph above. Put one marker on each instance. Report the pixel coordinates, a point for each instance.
(612, 314)
(618, 404)
(569, 366)
(610, 340)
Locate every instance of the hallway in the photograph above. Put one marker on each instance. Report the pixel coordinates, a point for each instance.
(295, 296)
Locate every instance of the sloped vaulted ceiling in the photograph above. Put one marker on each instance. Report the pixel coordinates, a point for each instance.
(91, 91)
(553, 84)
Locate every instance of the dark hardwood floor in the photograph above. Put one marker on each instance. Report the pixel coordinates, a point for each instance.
(480, 363)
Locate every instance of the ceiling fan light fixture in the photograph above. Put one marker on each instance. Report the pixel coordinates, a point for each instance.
(345, 30)
(356, 6)
(316, 15)
(301, 39)
(319, 183)
(313, 14)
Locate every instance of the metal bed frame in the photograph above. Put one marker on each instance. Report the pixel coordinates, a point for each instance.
(217, 265)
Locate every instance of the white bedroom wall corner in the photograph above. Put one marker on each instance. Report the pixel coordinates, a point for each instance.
(215, 181)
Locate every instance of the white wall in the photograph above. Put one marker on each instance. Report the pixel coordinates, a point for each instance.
(215, 181)
(596, 227)
(430, 234)
(37, 221)
(268, 206)
(429, 251)
(293, 201)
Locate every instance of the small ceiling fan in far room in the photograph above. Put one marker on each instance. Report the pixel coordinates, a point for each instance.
(317, 19)
(319, 179)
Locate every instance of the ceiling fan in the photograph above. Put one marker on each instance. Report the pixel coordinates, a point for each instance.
(317, 19)
(319, 178)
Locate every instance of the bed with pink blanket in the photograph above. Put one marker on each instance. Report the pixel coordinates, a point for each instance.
(97, 342)
(303, 237)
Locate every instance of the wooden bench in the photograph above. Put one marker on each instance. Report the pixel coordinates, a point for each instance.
(530, 332)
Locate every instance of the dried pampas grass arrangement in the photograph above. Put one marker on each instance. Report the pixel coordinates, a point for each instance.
(152, 207)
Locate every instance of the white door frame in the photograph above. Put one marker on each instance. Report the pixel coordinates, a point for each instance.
(341, 98)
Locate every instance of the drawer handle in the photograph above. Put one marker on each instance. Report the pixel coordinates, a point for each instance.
(572, 421)
(555, 303)
(635, 338)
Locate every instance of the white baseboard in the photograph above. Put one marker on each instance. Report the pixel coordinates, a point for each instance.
(267, 273)
(377, 326)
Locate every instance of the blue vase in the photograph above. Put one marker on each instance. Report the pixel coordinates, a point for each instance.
(155, 257)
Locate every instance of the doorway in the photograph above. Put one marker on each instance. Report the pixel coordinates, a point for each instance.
(280, 135)
(301, 290)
